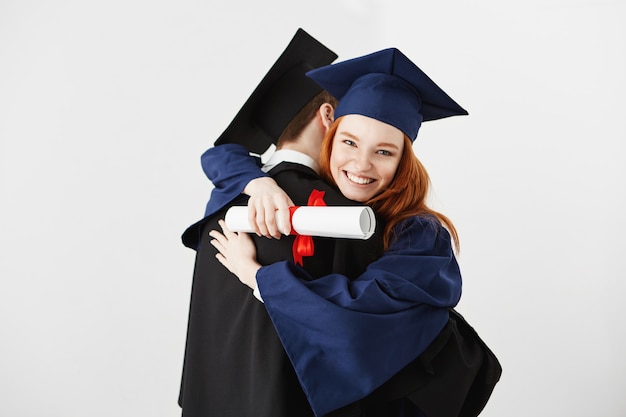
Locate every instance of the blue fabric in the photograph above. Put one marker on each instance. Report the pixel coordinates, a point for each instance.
(230, 168)
(372, 95)
(346, 338)
(386, 86)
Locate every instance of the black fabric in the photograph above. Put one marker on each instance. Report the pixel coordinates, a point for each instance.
(281, 94)
(234, 362)
(462, 372)
(454, 377)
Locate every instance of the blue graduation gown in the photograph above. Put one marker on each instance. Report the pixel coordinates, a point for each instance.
(346, 338)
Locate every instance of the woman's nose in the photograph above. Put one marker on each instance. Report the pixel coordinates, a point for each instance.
(362, 161)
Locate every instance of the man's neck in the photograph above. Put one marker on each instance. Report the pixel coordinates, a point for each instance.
(290, 155)
(300, 147)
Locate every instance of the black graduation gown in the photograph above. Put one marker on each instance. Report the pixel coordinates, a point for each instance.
(234, 362)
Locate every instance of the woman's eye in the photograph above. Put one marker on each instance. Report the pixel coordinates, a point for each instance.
(348, 142)
(384, 152)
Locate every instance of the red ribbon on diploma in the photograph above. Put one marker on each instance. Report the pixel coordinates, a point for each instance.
(303, 245)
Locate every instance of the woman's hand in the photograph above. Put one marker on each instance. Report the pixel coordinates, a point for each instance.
(268, 204)
(237, 253)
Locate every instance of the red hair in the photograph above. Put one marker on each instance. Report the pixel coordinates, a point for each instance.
(404, 197)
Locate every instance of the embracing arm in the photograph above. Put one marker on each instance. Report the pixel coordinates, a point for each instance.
(418, 268)
(233, 171)
(236, 251)
(345, 338)
(230, 168)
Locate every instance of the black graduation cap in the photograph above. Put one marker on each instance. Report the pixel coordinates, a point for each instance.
(386, 86)
(282, 93)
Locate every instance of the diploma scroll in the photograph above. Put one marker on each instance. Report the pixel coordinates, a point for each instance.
(348, 222)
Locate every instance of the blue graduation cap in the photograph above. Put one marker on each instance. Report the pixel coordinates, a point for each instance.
(386, 86)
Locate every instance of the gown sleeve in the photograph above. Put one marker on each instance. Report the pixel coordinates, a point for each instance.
(346, 338)
(230, 168)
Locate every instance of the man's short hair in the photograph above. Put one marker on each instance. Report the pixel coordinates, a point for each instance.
(304, 117)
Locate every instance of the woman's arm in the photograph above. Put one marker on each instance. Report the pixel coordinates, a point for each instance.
(230, 168)
(233, 171)
(418, 268)
(236, 251)
(345, 338)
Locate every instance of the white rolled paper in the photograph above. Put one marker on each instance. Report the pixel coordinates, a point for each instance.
(348, 222)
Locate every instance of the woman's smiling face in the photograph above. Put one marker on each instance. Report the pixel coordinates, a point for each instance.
(365, 156)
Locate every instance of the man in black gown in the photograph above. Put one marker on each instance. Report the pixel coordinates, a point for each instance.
(235, 364)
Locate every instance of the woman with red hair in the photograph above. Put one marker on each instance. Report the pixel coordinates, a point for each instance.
(369, 345)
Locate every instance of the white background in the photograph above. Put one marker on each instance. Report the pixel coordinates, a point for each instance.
(106, 107)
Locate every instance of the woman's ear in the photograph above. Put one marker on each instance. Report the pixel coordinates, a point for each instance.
(326, 114)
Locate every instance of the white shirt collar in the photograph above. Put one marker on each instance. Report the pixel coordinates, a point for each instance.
(289, 155)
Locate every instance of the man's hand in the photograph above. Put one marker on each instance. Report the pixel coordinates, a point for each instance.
(268, 208)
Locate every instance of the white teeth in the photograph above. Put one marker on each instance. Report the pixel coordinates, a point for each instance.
(359, 180)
